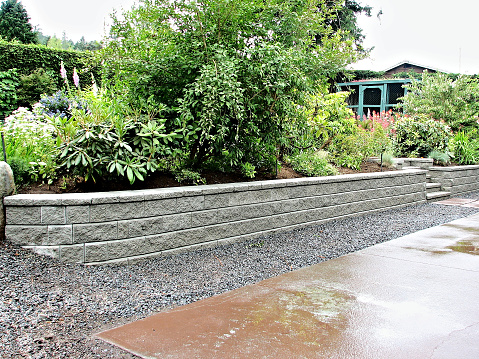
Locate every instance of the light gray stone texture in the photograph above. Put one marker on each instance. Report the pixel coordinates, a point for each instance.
(53, 215)
(59, 235)
(96, 252)
(26, 235)
(189, 204)
(94, 232)
(128, 248)
(72, 253)
(23, 215)
(77, 214)
(145, 227)
(159, 207)
(116, 211)
(7, 183)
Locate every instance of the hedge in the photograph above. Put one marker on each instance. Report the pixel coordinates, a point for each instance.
(28, 58)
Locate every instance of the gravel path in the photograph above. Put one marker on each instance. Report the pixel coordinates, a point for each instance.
(52, 310)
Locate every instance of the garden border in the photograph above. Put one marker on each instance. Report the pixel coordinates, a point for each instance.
(106, 227)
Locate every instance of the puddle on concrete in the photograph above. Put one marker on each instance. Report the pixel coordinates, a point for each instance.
(474, 230)
(306, 312)
(469, 247)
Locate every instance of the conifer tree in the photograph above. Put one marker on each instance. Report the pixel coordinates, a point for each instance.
(14, 23)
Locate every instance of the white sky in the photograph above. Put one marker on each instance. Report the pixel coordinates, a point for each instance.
(432, 33)
(77, 18)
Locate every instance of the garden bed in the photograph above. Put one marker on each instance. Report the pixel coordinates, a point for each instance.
(162, 180)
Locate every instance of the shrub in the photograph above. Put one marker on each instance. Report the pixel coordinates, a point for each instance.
(60, 104)
(231, 71)
(323, 117)
(440, 158)
(29, 140)
(105, 142)
(312, 164)
(417, 136)
(466, 148)
(8, 95)
(33, 86)
(439, 96)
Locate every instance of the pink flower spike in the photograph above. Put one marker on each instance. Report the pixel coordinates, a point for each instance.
(76, 79)
(63, 72)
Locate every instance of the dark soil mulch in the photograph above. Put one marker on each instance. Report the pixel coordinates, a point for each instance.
(161, 180)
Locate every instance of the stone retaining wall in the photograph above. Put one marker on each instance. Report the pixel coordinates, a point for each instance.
(106, 227)
(456, 179)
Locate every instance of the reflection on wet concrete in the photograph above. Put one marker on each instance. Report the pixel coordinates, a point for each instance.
(396, 300)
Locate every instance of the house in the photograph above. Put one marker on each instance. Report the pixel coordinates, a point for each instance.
(374, 95)
(407, 66)
(380, 94)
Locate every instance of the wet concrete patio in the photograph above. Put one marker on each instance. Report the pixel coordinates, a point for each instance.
(413, 297)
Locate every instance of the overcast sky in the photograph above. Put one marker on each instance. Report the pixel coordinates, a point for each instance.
(77, 18)
(438, 34)
(431, 33)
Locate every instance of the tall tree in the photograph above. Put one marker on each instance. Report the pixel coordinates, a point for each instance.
(345, 19)
(231, 72)
(14, 23)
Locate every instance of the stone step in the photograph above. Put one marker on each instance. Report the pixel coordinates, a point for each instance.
(434, 196)
(433, 187)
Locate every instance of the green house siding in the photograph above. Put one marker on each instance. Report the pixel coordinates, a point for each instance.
(374, 95)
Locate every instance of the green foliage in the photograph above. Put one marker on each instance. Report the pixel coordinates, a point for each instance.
(187, 176)
(352, 150)
(106, 142)
(440, 158)
(417, 136)
(30, 146)
(323, 117)
(387, 159)
(231, 71)
(21, 170)
(29, 58)
(14, 23)
(346, 19)
(312, 164)
(465, 147)
(248, 170)
(8, 94)
(33, 86)
(440, 97)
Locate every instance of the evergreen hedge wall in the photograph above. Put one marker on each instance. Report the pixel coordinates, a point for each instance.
(28, 58)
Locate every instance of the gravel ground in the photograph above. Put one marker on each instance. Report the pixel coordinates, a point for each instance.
(52, 310)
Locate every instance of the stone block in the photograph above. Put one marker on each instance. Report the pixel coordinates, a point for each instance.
(96, 252)
(176, 222)
(128, 248)
(26, 235)
(23, 215)
(49, 251)
(144, 227)
(116, 211)
(53, 215)
(123, 229)
(76, 199)
(59, 235)
(160, 207)
(72, 253)
(204, 218)
(77, 214)
(220, 200)
(94, 232)
(190, 204)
